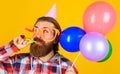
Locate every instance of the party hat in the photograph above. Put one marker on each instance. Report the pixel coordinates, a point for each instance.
(52, 12)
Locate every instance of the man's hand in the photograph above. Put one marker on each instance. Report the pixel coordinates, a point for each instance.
(70, 70)
(20, 42)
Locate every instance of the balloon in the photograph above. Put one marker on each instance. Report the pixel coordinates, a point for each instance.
(99, 17)
(70, 38)
(94, 46)
(109, 53)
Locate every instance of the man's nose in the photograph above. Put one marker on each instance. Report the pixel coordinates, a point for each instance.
(37, 35)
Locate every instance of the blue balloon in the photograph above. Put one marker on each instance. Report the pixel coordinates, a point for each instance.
(70, 38)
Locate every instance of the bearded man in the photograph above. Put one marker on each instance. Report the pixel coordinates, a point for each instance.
(43, 57)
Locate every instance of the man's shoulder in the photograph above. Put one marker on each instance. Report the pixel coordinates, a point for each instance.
(63, 59)
(21, 55)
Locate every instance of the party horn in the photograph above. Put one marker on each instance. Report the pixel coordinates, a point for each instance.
(28, 29)
(29, 39)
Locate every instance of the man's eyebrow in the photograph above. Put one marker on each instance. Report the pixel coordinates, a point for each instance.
(45, 27)
(36, 26)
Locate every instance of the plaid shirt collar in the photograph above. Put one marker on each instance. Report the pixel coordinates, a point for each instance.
(55, 59)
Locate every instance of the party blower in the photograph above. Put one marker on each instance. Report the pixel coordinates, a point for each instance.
(31, 40)
(28, 39)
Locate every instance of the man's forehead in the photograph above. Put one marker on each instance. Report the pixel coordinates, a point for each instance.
(42, 24)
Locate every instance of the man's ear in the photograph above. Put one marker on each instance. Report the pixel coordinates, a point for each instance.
(56, 39)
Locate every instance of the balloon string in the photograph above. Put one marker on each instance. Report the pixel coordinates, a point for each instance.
(75, 59)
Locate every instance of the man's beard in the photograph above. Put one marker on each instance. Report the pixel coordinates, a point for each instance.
(41, 50)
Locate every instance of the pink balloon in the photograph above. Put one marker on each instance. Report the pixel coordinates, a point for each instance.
(99, 17)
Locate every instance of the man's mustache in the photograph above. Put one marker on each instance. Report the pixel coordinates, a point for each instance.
(38, 39)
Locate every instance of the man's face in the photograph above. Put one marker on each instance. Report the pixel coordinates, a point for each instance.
(43, 34)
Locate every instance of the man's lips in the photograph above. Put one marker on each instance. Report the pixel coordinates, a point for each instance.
(38, 41)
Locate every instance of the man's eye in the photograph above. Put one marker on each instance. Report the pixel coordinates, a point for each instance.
(45, 31)
(35, 30)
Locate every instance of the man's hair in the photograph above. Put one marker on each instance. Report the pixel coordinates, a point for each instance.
(57, 26)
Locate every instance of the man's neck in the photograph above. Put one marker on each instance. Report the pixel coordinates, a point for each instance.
(47, 57)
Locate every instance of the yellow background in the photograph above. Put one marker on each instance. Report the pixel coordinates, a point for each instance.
(16, 14)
